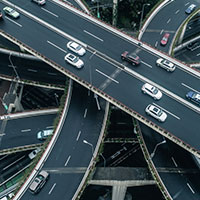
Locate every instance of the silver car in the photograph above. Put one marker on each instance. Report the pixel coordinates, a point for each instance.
(156, 112)
(39, 182)
(34, 153)
(11, 12)
(76, 48)
(39, 2)
(74, 60)
(151, 91)
(42, 135)
(165, 64)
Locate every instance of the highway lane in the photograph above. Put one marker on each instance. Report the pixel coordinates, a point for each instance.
(23, 131)
(168, 19)
(57, 55)
(108, 46)
(178, 115)
(29, 69)
(70, 156)
(180, 185)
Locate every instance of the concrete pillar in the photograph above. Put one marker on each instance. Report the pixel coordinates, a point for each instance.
(115, 12)
(118, 192)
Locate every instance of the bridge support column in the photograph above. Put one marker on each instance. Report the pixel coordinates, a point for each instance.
(118, 192)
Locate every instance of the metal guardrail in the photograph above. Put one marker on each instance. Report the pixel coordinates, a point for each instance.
(120, 140)
(20, 149)
(151, 166)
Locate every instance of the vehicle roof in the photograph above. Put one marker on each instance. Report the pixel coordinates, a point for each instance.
(74, 44)
(44, 173)
(169, 64)
(7, 8)
(149, 86)
(154, 108)
(71, 56)
(133, 55)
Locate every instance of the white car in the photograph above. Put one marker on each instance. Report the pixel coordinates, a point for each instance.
(42, 135)
(165, 64)
(39, 2)
(11, 12)
(76, 48)
(151, 91)
(34, 153)
(39, 182)
(74, 60)
(156, 112)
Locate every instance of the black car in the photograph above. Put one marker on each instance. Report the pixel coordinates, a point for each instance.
(131, 58)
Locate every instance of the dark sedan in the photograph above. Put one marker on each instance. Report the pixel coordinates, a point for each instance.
(190, 9)
(132, 58)
(193, 96)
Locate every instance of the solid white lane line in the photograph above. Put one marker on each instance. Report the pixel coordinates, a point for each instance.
(50, 191)
(13, 162)
(190, 188)
(107, 76)
(79, 133)
(85, 113)
(25, 130)
(50, 73)
(67, 161)
(161, 31)
(13, 21)
(174, 162)
(4, 157)
(51, 43)
(146, 64)
(195, 48)
(156, 44)
(177, 12)
(168, 20)
(187, 3)
(167, 111)
(183, 84)
(32, 70)
(49, 12)
(93, 35)
(49, 127)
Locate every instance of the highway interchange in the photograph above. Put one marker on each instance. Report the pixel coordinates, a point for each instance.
(53, 46)
(70, 157)
(150, 72)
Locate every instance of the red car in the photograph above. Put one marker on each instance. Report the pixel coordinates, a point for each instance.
(131, 58)
(165, 39)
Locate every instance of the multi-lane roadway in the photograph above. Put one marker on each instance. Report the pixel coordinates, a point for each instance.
(104, 75)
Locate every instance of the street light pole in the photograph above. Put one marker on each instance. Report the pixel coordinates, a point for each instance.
(153, 153)
(86, 142)
(104, 160)
(17, 75)
(141, 18)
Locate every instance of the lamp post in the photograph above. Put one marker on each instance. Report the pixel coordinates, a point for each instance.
(56, 96)
(17, 75)
(141, 18)
(153, 153)
(86, 142)
(104, 160)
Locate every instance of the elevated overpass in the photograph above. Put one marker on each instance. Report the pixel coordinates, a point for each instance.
(101, 82)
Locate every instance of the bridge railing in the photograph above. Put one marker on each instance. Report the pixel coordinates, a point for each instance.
(149, 161)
